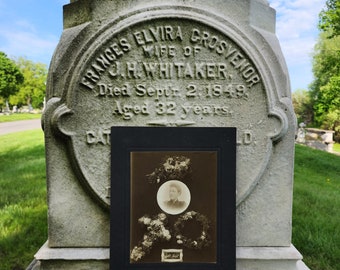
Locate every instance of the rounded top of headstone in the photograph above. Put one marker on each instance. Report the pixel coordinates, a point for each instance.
(263, 2)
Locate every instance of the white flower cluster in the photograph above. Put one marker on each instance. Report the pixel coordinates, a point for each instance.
(173, 167)
(156, 231)
(172, 164)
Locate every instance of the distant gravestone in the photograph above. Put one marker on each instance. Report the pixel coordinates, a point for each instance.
(301, 133)
(171, 64)
(319, 139)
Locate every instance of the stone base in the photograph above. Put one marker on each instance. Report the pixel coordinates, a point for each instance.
(269, 258)
(247, 258)
(72, 258)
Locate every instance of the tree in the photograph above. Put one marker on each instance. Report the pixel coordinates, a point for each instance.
(303, 106)
(326, 61)
(327, 109)
(329, 18)
(10, 77)
(325, 88)
(32, 91)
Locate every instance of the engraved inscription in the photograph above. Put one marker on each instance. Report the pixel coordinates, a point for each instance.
(169, 71)
(113, 52)
(159, 33)
(102, 136)
(181, 74)
(233, 55)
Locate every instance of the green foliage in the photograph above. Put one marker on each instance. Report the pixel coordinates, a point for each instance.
(327, 107)
(10, 77)
(326, 61)
(329, 18)
(23, 209)
(303, 106)
(325, 89)
(32, 91)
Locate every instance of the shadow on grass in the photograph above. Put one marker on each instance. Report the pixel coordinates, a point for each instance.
(19, 246)
(22, 175)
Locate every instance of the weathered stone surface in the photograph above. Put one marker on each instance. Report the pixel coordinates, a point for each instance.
(278, 258)
(174, 63)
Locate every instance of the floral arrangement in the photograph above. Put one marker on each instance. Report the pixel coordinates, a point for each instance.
(173, 167)
(202, 241)
(156, 231)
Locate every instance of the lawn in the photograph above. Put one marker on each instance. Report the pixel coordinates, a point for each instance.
(316, 216)
(23, 210)
(336, 147)
(23, 222)
(19, 116)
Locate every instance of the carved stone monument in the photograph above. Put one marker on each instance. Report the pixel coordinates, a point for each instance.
(178, 63)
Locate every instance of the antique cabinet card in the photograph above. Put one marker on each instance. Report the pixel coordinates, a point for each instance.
(173, 198)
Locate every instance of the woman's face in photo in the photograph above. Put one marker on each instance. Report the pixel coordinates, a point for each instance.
(173, 193)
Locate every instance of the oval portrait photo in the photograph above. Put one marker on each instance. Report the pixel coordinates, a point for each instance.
(173, 197)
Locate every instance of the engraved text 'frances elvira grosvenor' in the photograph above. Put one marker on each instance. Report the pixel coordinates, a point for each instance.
(167, 71)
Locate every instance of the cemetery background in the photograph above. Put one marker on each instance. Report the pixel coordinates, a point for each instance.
(23, 210)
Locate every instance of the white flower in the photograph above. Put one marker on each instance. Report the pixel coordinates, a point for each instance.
(147, 243)
(156, 223)
(162, 216)
(183, 164)
(166, 234)
(144, 220)
(188, 216)
(179, 242)
(147, 221)
(137, 253)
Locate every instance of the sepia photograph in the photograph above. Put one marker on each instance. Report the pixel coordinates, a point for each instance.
(173, 206)
(173, 198)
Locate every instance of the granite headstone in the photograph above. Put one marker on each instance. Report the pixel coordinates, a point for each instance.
(192, 63)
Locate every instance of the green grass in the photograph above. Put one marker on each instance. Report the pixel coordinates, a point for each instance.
(336, 147)
(19, 116)
(316, 208)
(23, 210)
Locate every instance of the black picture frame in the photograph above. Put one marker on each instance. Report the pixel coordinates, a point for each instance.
(130, 144)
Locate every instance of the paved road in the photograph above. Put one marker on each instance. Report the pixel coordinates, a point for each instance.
(9, 127)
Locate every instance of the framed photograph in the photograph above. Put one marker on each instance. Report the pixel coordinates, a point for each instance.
(173, 198)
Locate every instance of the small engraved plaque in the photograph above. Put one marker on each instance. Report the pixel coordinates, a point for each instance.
(172, 255)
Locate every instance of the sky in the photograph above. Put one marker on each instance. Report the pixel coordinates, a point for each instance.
(32, 28)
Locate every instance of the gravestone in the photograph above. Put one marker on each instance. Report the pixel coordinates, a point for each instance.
(193, 63)
(319, 139)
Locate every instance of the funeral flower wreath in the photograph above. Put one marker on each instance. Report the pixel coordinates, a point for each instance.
(203, 240)
(157, 231)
